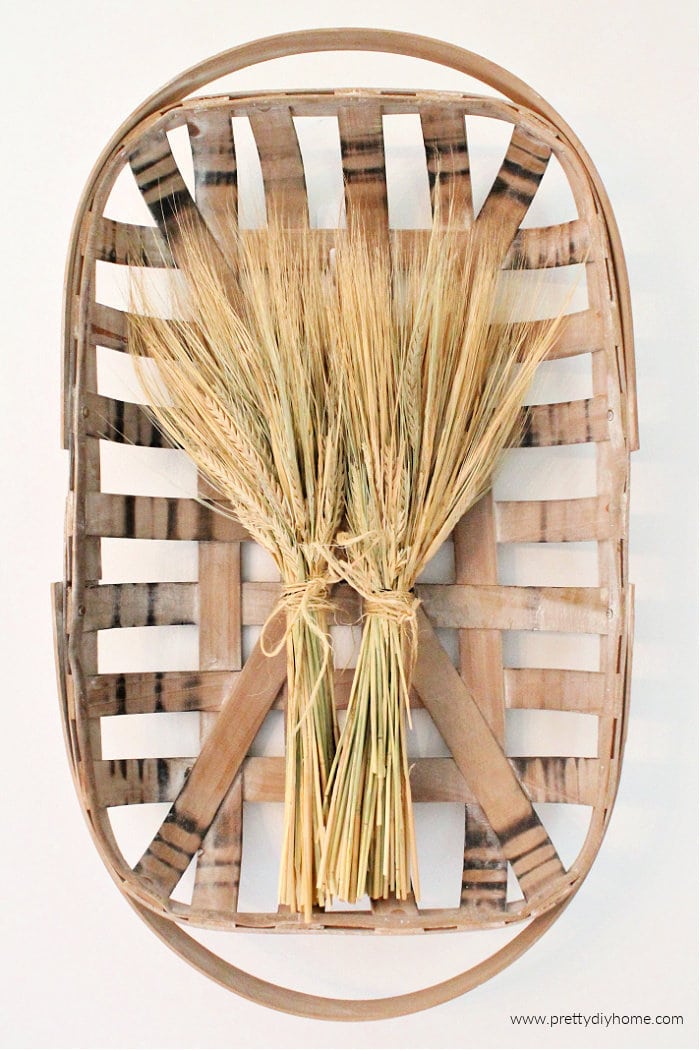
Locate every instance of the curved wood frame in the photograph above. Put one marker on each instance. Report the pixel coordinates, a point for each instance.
(79, 604)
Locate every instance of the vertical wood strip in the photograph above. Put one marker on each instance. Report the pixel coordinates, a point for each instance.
(282, 166)
(215, 172)
(484, 876)
(218, 871)
(364, 169)
(447, 158)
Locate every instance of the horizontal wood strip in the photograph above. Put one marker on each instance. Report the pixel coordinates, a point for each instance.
(555, 690)
(542, 247)
(573, 609)
(157, 518)
(570, 609)
(133, 781)
(566, 423)
(108, 327)
(580, 332)
(567, 780)
(137, 693)
(121, 421)
(556, 521)
(111, 605)
(126, 243)
(572, 780)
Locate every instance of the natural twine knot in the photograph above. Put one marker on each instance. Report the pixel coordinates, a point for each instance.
(399, 606)
(301, 601)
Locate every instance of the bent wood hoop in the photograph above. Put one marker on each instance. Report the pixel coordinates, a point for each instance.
(467, 705)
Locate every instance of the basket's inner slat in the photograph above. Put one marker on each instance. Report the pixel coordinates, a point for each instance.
(461, 606)
(579, 332)
(500, 794)
(112, 605)
(539, 247)
(162, 186)
(160, 518)
(218, 874)
(481, 665)
(364, 168)
(534, 248)
(473, 606)
(121, 242)
(218, 861)
(554, 520)
(141, 693)
(565, 423)
(131, 781)
(282, 166)
(215, 171)
(517, 181)
(447, 159)
(157, 518)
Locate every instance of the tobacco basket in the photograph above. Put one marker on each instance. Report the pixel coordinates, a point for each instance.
(468, 703)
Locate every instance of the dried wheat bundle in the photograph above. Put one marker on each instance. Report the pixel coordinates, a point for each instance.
(244, 383)
(433, 386)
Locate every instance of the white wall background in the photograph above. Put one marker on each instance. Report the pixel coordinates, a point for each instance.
(79, 968)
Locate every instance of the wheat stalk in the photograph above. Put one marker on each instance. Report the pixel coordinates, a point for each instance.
(245, 384)
(432, 395)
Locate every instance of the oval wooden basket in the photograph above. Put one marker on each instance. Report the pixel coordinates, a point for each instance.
(468, 704)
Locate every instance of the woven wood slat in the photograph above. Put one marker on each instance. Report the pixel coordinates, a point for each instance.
(364, 171)
(447, 158)
(556, 521)
(516, 183)
(215, 170)
(281, 164)
(149, 692)
(218, 874)
(120, 242)
(542, 247)
(121, 421)
(565, 423)
(582, 609)
(481, 667)
(532, 248)
(111, 605)
(157, 518)
(140, 693)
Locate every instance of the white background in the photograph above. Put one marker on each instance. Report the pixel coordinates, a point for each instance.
(79, 969)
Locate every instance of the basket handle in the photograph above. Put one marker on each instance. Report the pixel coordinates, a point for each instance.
(350, 39)
(322, 1008)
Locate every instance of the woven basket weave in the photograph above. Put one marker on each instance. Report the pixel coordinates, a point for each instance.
(468, 704)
